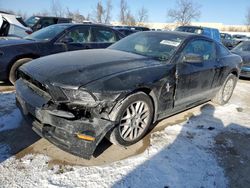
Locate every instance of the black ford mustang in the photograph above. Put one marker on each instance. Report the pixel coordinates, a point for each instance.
(75, 99)
(50, 40)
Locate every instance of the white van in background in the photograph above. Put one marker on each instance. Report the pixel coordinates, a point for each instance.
(12, 26)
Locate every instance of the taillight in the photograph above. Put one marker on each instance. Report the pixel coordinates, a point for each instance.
(28, 32)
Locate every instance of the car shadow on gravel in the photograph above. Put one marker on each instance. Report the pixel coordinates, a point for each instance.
(15, 133)
(201, 153)
(15, 140)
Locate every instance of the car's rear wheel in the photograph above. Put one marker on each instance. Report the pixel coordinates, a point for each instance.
(226, 90)
(134, 117)
(15, 66)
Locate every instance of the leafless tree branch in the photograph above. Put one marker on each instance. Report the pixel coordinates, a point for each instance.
(185, 12)
(142, 16)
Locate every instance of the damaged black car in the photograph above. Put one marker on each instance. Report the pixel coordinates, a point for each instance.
(75, 99)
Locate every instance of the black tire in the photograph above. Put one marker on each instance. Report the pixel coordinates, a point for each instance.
(115, 135)
(221, 98)
(15, 66)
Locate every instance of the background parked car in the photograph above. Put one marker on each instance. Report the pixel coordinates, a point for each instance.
(243, 49)
(120, 91)
(13, 26)
(50, 40)
(39, 22)
(206, 31)
(125, 31)
(134, 28)
(227, 40)
(238, 38)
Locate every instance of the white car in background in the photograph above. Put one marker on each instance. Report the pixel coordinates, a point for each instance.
(12, 26)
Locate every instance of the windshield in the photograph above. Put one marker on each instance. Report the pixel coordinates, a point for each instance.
(160, 46)
(190, 29)
(47, 33)
(242, 47)
(32, 21)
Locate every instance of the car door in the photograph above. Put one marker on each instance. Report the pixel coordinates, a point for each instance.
(78, 38)
(221, 69)
(194, 80)
(103, 37)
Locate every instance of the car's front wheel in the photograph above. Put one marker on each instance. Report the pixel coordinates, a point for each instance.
(134, 117)
(226, 90)
(15, 66)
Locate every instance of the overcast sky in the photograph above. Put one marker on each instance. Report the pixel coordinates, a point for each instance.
(222, 11)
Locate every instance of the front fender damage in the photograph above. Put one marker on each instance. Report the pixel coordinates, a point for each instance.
(62, 124)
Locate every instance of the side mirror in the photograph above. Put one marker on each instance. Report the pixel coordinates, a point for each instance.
(66, 40)
(39, 26)
(192, 58)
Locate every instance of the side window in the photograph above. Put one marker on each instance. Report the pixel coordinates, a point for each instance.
(104, 35)
(17, 31)
(63, 20)
(79, 35)
(45, 22)
(203, 48)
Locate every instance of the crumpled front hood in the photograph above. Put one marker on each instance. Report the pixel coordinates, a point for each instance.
(79, 68)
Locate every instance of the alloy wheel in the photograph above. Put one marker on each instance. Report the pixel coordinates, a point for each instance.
(134, 121)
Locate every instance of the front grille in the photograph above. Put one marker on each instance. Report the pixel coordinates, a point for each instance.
(55, 92)
(31, 80)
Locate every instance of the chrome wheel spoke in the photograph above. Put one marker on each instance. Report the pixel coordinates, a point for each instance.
(134, 121)
(127, 132)
(128, 115)
(144, 116)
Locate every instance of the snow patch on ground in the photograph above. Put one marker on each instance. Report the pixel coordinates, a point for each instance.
(179, 156)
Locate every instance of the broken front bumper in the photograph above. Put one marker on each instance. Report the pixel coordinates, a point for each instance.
(58, 126)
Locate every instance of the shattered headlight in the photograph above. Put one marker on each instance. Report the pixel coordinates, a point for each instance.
(79, 96)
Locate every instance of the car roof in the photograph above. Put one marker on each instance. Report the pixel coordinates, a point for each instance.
(86, 24)
(177, 33)
(201, 27)
(52, 17)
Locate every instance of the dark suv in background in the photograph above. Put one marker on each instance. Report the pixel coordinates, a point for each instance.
(206, 31)
(39, 22)
(227, 40)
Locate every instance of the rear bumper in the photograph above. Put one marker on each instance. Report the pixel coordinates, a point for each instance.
(245, 71)
(56, 126)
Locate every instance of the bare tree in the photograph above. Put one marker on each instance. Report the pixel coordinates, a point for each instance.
(142, 16)
(100, 11)
(42, 13)
(123, 11)
(126, 17)
(56, 8)
(248, 19)
(108, 10)
(102, 14)
(130, 20)
(75, 16)
(185, 12)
